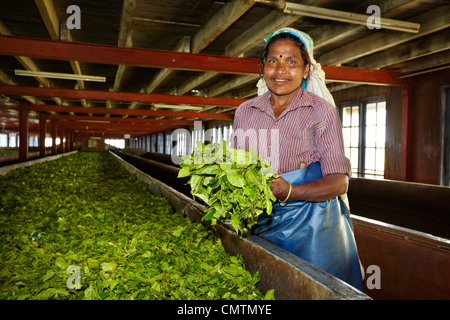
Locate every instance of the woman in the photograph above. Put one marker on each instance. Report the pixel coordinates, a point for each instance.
(294, 122)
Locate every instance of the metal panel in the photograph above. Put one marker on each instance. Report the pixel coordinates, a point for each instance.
(413, 265)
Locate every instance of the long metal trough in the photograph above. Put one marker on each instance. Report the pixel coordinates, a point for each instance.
(410, 264)
(291, 277)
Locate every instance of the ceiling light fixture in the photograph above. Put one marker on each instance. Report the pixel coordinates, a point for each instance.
(56, 75)
(180, 107)
(344, 16)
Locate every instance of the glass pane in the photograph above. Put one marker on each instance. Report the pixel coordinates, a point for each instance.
(371, 132)
(3, 140)
(347, 153)
(381, 136)
(355, 136)
(354, 158)
(355, 116)
(346, 133)
(370, 159)
(371, 114)
(380, 160)
(381, 113)
(346, 116)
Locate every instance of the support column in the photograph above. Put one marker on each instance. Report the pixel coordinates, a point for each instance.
(53, 136)
(23, 131)
(42, 133)
(66, 146)
(61, 139)
(406, 129)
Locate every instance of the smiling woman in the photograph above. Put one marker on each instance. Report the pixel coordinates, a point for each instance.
(297, 114)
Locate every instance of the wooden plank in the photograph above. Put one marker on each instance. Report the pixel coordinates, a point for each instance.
(226, 16)
(430, 22)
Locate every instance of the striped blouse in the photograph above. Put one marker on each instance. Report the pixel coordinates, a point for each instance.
(308, 130)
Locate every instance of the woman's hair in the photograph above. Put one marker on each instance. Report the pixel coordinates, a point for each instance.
(279, 37)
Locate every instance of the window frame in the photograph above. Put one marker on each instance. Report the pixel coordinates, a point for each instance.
(445, 136)
(362, 112)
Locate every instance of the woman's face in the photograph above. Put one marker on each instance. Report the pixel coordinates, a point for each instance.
(285, 68)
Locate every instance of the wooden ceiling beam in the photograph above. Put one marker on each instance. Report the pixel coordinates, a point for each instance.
(183, 46)
(431, 21)
(328, 33)
(50, 17)
(437, 42)
(125, 37)
(223, 19)
(25, 61)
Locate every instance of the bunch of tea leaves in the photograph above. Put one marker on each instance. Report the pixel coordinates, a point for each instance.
(85, 212)
(234, 184)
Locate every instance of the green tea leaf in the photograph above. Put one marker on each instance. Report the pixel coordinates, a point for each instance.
(120, 240)
(237, 190)
(109, 266)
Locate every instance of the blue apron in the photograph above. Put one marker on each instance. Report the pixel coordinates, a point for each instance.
(320, 233)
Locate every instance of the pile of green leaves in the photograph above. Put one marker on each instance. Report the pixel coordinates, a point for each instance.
(85, 211)
(234, 184)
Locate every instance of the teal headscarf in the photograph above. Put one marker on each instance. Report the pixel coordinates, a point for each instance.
(315, 82)
(303, 37)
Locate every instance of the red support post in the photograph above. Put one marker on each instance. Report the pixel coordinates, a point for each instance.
(53, 136)
(66, 146)
(23, 131)
(61, 139)
(42, 133)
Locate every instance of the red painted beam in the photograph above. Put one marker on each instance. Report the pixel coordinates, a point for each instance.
(123, 126)
(95, 53)
(23, 132)
(348, 74)
(118, 96)
(112, 120)
(132, 112)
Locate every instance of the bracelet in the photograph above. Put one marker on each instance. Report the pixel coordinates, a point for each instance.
(289, 194)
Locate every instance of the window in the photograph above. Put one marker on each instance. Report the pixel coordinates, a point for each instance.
(118, 143)
(181, 143)
(375, 140)
(219, 133)
(198, 135)
(350, 130)
(168, 143)
(364, 131)
(3, 139)
(12, 140)
(160, 143)
(227, 131)
(152, 139)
